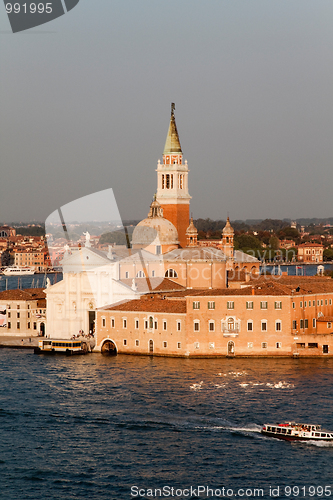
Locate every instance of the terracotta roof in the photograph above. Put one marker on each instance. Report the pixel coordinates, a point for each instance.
(323, 319)
(154, 285)
(149, 303)
(28, 294)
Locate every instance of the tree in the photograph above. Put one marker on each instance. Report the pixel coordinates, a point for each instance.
(328, 254)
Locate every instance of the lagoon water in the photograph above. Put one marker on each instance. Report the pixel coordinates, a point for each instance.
(93, 426)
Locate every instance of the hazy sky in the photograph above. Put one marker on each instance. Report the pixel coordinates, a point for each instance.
(85, 106)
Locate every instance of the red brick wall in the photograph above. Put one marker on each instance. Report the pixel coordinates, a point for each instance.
(179, 215)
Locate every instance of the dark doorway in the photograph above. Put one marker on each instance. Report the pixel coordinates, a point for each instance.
(92, 316)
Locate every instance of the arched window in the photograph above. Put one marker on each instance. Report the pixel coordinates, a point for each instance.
(140, 274)
(231, 324)
(151, 322)
(171, 273)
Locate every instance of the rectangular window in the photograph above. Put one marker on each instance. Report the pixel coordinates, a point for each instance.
(211, 305)
(146, 324)
(306, 323)
(264, 326)
(294, 305)
(29, 326)
(300, 345)
(125, 342)
(18, 307)
(18, 325)
(179, 345)
(8, 315)
(153, 274)
(314, 322)
(103, 322)
(249, 305)
(35, 325)
(230, 305)
(9, 325)
(165, 344)
(164, 325)
(309, 303)
(18, 315)
(278, 305)
(211, 345)
(278, 345)
(155, 325)
(137, 343)
(301, 304)
(263, 305)
(330, 302)
(301, 323)
(211, 326)
(278, 326)
(196, 326)
(313, 303)
(264, 345)
(249, 326)
(250, 345)
(294, 324)
(28, 315)
(196, 345)
(196, 305)
(136, 324)
(124, 323)
(179, 326)
(325, 302)
(321, 302)
(112, 322)
(312, 345)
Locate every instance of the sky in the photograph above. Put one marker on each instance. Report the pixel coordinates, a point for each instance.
(85, 106)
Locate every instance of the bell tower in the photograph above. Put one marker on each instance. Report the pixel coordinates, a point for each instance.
(172, 182)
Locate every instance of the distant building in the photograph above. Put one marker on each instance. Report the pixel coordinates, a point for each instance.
(7, 231)
(23, 312)
(310, 252)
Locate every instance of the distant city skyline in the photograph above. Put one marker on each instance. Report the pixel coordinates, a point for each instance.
(86, 106)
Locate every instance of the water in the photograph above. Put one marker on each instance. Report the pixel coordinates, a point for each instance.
(93, 427)
(29, 281)
(296, 270)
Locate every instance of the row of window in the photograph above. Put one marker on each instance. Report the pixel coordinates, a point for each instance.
(304, 323)
(165, 343)
(231, 305)
(232, 326)
(169, 273)
(18, 314)
(18, 326)
(148, 324)
(308, 303)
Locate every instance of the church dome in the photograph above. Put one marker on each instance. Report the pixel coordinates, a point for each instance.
(155, 229)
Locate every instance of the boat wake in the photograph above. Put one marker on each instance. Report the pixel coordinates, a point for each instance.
(245, 430)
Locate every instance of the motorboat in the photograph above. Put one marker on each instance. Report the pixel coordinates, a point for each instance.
(291, 431)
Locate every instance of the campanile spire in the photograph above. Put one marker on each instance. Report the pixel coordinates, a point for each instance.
(172, 182)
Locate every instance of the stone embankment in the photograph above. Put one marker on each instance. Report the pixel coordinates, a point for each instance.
(18, 342)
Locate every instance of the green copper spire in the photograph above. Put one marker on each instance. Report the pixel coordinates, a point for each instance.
(172, 143)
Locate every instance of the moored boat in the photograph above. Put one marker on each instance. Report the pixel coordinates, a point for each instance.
(18, 271)
(292, 431)
(62, 346)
